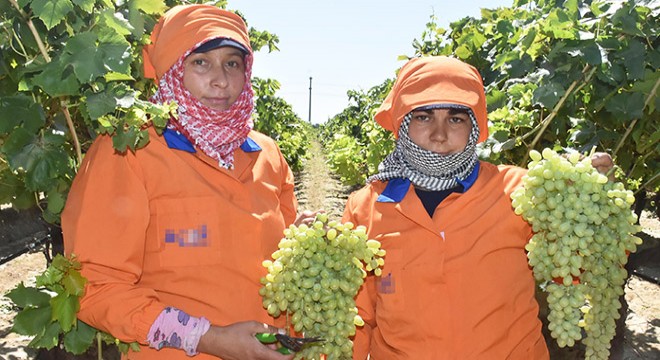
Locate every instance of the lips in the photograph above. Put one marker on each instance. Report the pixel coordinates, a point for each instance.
(221, 103)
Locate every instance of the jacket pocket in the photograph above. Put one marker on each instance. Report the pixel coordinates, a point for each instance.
(189, 231)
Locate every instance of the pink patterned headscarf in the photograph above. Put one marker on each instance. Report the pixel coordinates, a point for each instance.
(216, 133)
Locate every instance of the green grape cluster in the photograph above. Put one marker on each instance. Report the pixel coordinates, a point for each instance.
(314, 277)
(583, 232)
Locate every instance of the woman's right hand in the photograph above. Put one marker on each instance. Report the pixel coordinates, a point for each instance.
(238, 342)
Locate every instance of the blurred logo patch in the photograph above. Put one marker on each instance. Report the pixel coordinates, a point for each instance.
(386, 284)
(187, 237)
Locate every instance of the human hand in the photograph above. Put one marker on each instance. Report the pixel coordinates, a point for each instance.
(307, 217)
(238, 342)
(604, 164)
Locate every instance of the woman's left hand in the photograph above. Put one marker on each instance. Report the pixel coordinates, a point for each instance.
(307, 217)
(604, 164)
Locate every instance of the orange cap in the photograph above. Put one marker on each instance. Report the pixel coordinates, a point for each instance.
(183, 27)
(430, 81)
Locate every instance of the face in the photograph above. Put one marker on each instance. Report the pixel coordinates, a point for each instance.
(443, 131)
(216, 77)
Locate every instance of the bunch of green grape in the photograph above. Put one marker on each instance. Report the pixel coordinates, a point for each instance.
(583, 232)
(314, 277)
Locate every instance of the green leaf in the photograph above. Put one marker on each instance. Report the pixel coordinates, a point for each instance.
(56, 80)
(80, 338)
(85, 5)
(51, 12)
(65, 308)
(74, 283)
(153, 7)
(116, 22)
(627, 19)
(49, 339)
(85, 57)
(42, 159)
(56, 201)
(124, 139)
(10, 185)
(27, 297)
(32, 321)
(504, 58)
(18, 109)
(463, 52)
(591, 53)
(633, 60)
(115, 76)
(137, 20)
(52, 275)
(100, 104)
(18, 146)
(548, 95)
(117, 56)
(625, 106)
(559, 26)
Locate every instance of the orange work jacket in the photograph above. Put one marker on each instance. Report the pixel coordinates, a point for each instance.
(455, 286)
(168, 227)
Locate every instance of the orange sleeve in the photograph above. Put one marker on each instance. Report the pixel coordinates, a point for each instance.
(104, 224)
(288, 202)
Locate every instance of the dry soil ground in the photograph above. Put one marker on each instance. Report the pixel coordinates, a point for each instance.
(317, 189)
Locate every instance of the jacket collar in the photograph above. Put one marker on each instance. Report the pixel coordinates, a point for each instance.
(397, 188)
(176, 140)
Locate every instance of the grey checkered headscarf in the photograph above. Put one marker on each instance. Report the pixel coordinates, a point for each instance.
(428, 170)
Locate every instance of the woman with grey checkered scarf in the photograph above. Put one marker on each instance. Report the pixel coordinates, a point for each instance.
(455, 283)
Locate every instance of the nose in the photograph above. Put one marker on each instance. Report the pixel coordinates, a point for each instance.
(438, 131)
(219, 77)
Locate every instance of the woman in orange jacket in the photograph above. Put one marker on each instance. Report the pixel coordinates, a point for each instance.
(171, 237)
(456, 283)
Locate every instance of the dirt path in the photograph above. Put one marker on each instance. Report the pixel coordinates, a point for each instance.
(317, 189)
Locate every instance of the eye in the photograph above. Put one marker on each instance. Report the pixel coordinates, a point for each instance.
(197, 60)
(235, 64)
(422, 117)
(459, 119)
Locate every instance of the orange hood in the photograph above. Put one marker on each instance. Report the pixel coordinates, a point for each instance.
(434, 80)
(183, 27)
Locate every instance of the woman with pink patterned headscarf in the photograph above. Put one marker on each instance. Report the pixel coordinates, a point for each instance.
(171, 237)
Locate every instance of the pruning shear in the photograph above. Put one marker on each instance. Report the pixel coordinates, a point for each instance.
(289, 344)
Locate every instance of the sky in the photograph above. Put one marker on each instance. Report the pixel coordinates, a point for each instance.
(342, 44)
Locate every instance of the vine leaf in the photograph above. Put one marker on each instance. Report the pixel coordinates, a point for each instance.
(32, 321)
(548, 95)
(634, 59)
(49, 338)
(78, 340)
(64, 311)
(74, 283)
(150, 6)
(26, 297)
(57, 80)
(626, 106)
(20, 109)
(51, 12)
(85, 5)
(84, 56)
